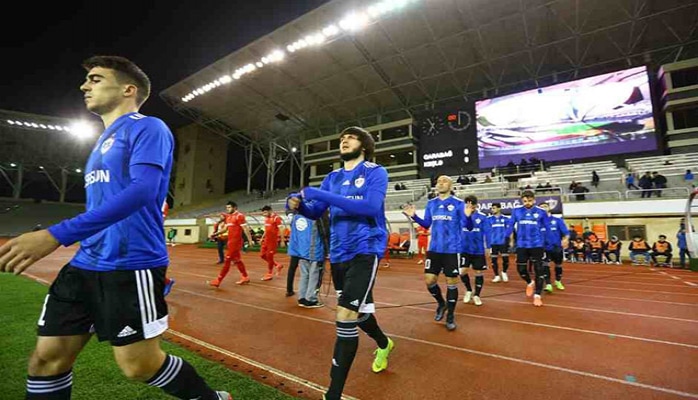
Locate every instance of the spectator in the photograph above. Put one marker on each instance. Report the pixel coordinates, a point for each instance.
(662, 248)
(579, 190)
(462, 180)
(587, 232)
(402, 186)
(596, 247)
(688, 177)
(630, 182)
(579, 250)
(488, 179)
(595, 179)
(432, 194)
(646, 185)
(548, 187)
(511, 167)
(659, 181)
(540, 188)
(573, 185)
(473, 179)
(639, 247)
(573, 233)
(397, 186)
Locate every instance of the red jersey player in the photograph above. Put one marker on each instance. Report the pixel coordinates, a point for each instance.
(270, 241)
(422, 242)
(235, 225)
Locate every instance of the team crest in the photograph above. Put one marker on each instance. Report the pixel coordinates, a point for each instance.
(359, 182)
(107, 144)
(535, 215)
(450, 207)
(478, 220)
(301, 224)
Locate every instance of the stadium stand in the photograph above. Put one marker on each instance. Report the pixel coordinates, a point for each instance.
(21, 216)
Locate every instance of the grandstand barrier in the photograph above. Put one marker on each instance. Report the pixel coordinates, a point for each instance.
(594, 196)
(666, 192)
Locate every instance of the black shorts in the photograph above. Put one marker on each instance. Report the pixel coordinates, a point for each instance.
(449, 263)
(524, 255)
(500, 249)
(123, 307)
(554, 256)
(477, 261)
(354, 282)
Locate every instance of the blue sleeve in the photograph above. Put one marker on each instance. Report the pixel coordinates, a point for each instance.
(563, 227)
(151, 143)
(426, 222)
(487, 227)
(370, 206)
(135, 196)
(314, 209)
(512, 224)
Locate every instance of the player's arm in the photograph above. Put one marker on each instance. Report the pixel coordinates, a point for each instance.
(410, 211)
(370, 206)
(512, 225)
(312, 209)
(565, 233)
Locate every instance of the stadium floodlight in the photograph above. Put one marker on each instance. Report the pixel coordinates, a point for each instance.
(276, 55)
(82, 130)
(59, 127)
(225, 79)
(294, 149)
(330, 31)
(392, 156)
(34, 125)
(13, 165)
(51, 127)
(10, 122)
(78, 170)
(41, 167)
(259, 64)
(353, 22)
(291, 48)
(43, 126)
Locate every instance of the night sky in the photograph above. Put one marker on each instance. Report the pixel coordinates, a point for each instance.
(169, 40)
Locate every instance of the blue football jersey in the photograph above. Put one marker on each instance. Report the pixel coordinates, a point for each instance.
(528, 223)
(350, 234)
(475, 238)
(446, 219)
(498, 230)
(306, 241)
(137, 241)
(555, 229)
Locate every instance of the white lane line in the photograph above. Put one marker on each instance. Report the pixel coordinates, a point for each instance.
(264, 367)
(476, 352)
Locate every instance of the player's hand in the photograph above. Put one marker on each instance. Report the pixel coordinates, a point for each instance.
(293, 203)
(21, 252)
(565, 243)
(409, 210)
(470, 209)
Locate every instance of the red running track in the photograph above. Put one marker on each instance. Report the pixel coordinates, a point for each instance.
(616, 332)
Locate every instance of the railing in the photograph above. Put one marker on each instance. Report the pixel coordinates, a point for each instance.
(676, 191)
(603, 195)
(414, 194)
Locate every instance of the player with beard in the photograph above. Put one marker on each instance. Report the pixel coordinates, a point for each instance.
(355, 196)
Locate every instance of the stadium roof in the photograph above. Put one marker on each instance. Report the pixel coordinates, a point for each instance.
(388, 59)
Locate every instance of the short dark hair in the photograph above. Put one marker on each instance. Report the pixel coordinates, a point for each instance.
(472, 199)
(662, 236)
(499, 205)
(364, 137)
(126, 70)
(528, 193)
(266, 208)
(232, 204)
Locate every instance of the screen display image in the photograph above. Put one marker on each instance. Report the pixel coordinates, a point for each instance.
(597, 116)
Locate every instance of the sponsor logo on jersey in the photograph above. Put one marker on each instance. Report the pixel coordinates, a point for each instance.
(441, 218)
(97, 176)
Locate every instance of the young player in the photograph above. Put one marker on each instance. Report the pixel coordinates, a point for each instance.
(639, 247)
(474, 249)
(499, 242)
(611, 250)
(664, 249)
(113, 286)
(595, 248)
(269, 242)
(355, 196)
(556, 238)
(235, 225)
(527, 221)
(445, 215)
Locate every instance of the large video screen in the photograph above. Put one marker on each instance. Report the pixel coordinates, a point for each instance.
(597, 116)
